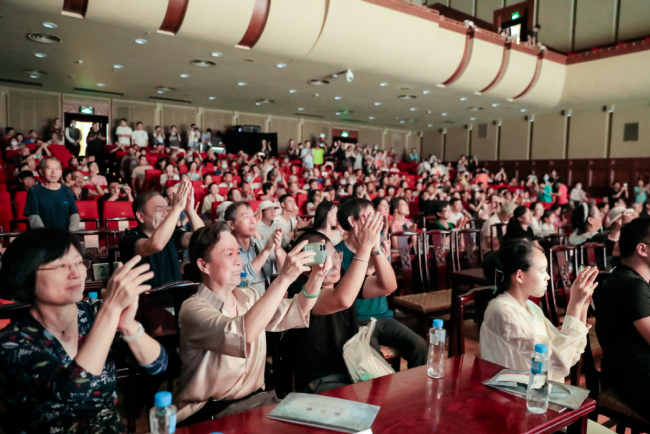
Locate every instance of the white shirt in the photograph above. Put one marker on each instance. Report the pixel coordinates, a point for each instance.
(510, 332)
(207, 202)
(126, 131)
(485, 232)
(287, 226)
(424, 166)
(455, 218)
(265, 230)
(140, 137)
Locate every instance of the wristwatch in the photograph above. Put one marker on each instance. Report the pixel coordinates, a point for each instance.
(376, 252)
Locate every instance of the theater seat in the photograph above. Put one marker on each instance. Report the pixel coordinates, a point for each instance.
(119, 210)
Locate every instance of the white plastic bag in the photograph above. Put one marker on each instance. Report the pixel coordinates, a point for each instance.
(363, 361)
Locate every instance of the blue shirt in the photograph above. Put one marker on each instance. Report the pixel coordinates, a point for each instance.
(54, 207)
(366, 307)
(261, 279)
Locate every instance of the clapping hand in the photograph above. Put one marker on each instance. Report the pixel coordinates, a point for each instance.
(584, 285)
(368, 230)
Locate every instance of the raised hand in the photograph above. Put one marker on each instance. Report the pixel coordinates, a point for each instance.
(124, 288)
(189, 204)
(179, 199)
(368, 231)
(584, 285)
(295, 263)
(319, 271)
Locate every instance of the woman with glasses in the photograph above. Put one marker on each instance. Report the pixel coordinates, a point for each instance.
(223, 344)
(57, 362)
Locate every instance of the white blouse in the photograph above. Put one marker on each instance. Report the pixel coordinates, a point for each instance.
(510, 332)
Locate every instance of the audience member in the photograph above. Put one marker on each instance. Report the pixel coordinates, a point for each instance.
(502, 216)
(140, 136)
(72, 139)
(95, 142)
(124, 133)
(116, 193)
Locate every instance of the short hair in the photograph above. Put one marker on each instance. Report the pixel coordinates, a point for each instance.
(633, 234)
(394, 204)
(122, 120)
(453, 200)
(43, 162)
(25, 174)
(230, 214)
(141, 201)
(26, 254)
(139, 123)
(266, 187)
(284, 197)
(203, 241)
(312, 236)
(351, 208)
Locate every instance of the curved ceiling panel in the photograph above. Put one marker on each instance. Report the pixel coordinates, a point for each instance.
(547, 90)
(483, 66)
(521, 69)
(222, 21)
(307, 18)
(402, 45)
(141, 14)
(50, 6)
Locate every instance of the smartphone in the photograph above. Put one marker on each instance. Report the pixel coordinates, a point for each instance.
(625, 185)
(321, 253)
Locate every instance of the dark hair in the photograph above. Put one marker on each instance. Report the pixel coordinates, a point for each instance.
(210, 186)
(311, 194)
(453, 200)
(25, 174)
(633, 234)
(313, 236)
(377, 200)
(26, 254)
(351, 208)
(500, 265)
(547, 214)
(394, 204)
(579, 219)
(320, 216)
(266, 187)
(230, 214)
(202, 242)
(284, 197)
(440, 205)
(513, 224)
(141, 201)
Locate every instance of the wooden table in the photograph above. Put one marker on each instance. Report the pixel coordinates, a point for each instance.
(413, 403)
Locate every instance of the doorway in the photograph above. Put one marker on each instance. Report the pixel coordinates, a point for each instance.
(85, 122)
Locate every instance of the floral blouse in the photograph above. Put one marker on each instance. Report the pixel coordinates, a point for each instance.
(50, 393)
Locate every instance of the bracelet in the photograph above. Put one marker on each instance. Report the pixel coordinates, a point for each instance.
(134, 337)
(308, 295)
(362, 260)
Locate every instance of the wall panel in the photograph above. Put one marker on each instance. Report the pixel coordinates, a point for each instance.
(634, 22)
(456, 143)
(311, 130)
(217, 120)
(485, 9)
(548, 136)
(485, 148)
(371, 136)
(134, 112)
(462, 5)
(555, 19)
(397, 141)
(594, 23)
(182, 117)
(287, 129)
(514, 139)
(252, 119)
(432, 144)
(32, 110)
(588, 134)
(3, 107)
(625, 115)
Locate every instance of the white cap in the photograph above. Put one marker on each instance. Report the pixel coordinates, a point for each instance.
(268, 204)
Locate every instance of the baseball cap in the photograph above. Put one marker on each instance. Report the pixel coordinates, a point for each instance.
(268, 204)
(614, 213)
(508, 208)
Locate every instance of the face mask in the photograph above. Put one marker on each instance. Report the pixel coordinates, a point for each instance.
(14, 143)
(248, 178)
(224, 166)
(545, 177)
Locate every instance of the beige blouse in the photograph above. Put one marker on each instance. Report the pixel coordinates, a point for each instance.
(216, 362)
(510, 332)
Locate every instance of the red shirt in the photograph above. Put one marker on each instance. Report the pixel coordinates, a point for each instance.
(562, 199)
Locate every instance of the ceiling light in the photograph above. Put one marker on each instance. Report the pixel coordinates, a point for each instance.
(377, 103)
(34, 76)
(50, 25)
(258, 103)
(292, 91)
(217, 54)
(401, 122)
(281, 65)
(338, 97)
(301, 108)
(337, 113)
(426, 92)
(430, 125)
(185, 75)
(118, 66)
(464, 98)
(161, 91)
(41, 55)
(495, 105)
(523, 110)
(241, 83)
(141, 41)
(429, 112)
(445, 114)
(212, 98)
(383, 84)
(101, 84)
(80, 61)
(472, 119)
(371, 117)
(413, 109)
(335, 75)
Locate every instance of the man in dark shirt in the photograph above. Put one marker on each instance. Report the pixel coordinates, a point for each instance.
(623, 319)
(72, 138)
(617, 192)
(157, 237)
(114, 195)
(95, 142)
(51, 203)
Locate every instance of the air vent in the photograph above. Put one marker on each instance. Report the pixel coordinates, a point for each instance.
(318, 82)
(407, 97)
(98, 92)
(24, 83)
(473, 109)
(309, 116)
(356, 121)
(203, 63)
(448, 122)
(631, 132)
(43, 38)
(159, 98)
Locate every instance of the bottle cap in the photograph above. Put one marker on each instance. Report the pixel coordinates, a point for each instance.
(541, 348)
(242, 274)
(92, 295)
(382, 234)
(438, 323)
(163, 399)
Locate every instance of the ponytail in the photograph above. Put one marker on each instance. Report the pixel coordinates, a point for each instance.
(500, 265)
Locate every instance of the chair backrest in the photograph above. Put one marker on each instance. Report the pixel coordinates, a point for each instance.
(14, 311)
(118, 211)
(550, 240)
(405, 260)
(467, 249)
(593, 254)
(476, 223)
(88, 213)
(496, 231)
(434, 241)
(177, 292)
(481, 297)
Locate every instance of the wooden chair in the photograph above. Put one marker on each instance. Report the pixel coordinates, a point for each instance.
(434, 241)
(551, 240)
(560, 260)
(470, 255)
(481, 297)
(406, 276)
(475, 223)
(496, 231)
(593, 254)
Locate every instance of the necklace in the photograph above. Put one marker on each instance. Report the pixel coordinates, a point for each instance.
(234, 304)
(62, 332)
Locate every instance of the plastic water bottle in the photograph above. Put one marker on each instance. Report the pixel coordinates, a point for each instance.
(92, 296)
(539, 388)
(436, 357)
(162, 417)
(244, 280)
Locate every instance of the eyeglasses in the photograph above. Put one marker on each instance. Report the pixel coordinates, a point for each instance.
(83, 264)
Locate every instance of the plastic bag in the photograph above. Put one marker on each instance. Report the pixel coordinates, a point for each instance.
(363, 361)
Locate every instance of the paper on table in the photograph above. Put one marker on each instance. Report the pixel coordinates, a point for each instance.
(91, 241)
(521, 378)
(123, 225)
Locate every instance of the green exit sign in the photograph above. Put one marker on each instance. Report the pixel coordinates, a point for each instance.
(345, 134)
(514, 15)
(87, 110)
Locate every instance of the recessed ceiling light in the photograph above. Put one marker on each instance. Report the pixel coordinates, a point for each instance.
(429, 112)
(141, 41)
(212, 98)
(50, 25)
(281, 65)
(337, 113)
(118, 66)
(444, 114)
(185, 75)
(338, 97)
(413, 109)
(383, 84)
(80, 61)
(464, 98)
(301, 108)
(258, 103)
(522, 110)
(495, 105)
(41, 55)
(241, 83)
(430, 125)
(377, 103)
(217, 54)
(292, 91)
(161, 91)
(34, 76)
(401, 122)
(101, 84)
(371, 117)
(426, 92)
(472, 119)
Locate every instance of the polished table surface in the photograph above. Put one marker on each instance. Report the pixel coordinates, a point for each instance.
(413, 403)
(471, 275)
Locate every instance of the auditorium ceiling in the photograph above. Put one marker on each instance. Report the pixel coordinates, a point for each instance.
(413, 68)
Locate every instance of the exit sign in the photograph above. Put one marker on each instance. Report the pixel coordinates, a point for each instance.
(87, 110)
(345, 134)
(514, 15)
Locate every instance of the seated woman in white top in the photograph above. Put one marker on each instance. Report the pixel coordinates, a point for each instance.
(168, 175)
(513, 324)
(212, 196)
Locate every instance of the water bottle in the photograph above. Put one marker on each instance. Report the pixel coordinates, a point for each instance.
(162, 417)
(539, 388)
(244, 280)
(436, 357)
(92, 296)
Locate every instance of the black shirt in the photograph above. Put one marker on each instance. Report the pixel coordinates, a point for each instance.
(102, 200)
(85, 195)
(624, 298)
(516, 231)
(95, 144)
(164, 264)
